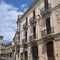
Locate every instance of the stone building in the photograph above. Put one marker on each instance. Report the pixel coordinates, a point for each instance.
(5, 50)
(16, 46)
(8, 51)
(39, 31)
(1, 37)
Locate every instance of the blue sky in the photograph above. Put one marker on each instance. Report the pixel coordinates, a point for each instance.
(9, 10)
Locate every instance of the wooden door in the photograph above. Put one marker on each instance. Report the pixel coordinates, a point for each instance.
(50, 51)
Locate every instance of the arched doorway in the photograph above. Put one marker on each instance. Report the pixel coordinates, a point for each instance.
(50, 51)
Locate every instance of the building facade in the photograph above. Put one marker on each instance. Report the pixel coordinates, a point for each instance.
(16, 46)
(39, 31)
(6, 51)
(1, 37)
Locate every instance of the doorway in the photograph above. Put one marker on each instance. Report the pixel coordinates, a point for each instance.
(35, 52)
(26, 55)
(50, 51)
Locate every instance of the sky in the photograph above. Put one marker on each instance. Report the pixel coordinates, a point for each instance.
(9, 11)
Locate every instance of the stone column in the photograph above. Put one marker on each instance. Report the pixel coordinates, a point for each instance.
(40, 51)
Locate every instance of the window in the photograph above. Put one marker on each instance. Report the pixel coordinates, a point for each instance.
(46, 4)
(21, 56)
(34, 31)
(26, 55)
(18, 27)
(48, 25)
(26, 20)
(18, 53)
(34, 14)
(34, 50)
(25, 52)
(10, 54)
(26, 36)
(19, 38)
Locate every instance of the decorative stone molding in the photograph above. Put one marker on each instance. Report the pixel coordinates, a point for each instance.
(57, 12)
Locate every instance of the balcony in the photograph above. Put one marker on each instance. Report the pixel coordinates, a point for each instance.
(5, 58)
(2, 52)
(32, 20)
(46, 11)
(45, 35)
(24, 41)
(17, 43)
(25, 26)
(32, 39)
(18, 32)
(17, 40)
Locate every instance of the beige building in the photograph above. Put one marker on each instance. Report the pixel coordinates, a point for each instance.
(1, 37)
(16, 46)
(39, 31)
(6, 51)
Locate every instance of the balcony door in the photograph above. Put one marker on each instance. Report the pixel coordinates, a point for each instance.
(25, 36)
(46, 4)
(48, 25)
(50, 51)
(34, 14)
(34, 32)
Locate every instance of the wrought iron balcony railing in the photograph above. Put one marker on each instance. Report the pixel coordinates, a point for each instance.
(32, 38)
(24, 41)
(45, 34)
(46, 11)
(25, 26)
(17, 43)
(32, 20)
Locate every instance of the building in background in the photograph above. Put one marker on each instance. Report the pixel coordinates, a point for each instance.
(5, 50)
(39, 32)
(1, 37)
(8, 49)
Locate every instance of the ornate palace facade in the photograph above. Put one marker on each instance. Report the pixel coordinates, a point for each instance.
(38, 31)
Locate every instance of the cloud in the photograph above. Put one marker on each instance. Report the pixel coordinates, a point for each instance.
(25, 9)
(8, 18)
(23, 5)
